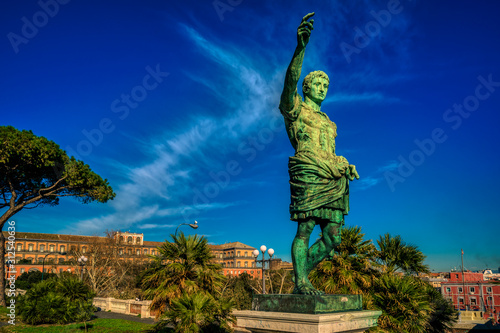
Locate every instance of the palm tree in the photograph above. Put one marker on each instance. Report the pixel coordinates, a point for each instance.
(394, 254)
(350, 269)
(185, 285)
(443, 314)
(404, 304)
(185, 265)
(199, 312)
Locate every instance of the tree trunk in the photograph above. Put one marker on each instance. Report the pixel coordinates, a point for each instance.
(2, 268)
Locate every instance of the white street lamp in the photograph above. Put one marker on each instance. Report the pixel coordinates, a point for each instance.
(255, 253)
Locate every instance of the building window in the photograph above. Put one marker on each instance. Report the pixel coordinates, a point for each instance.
(460, 290)
(51, 248)
(138, 240)
(62, 249)
(121, 239)
(246, 254)
(129, 239)
(253, 264)
(120, 252)
(238, 264)
(472, 290)
(488, 289)
(246, 263)
(456, 276)
(473, 301)
(238, 254)
(73, 248)
(138, 252)
(145, 251)
(19, 247)
(129, 252)
(460, 300)
(42, 248)
(448, 289)
(30, 247)
(490, 300)
(23, 270)
(153, 252)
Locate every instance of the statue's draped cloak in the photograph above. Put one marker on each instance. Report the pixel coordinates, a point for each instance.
(317, 186)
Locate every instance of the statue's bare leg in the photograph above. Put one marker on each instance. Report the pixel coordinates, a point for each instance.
(300, 247)
(331, 238)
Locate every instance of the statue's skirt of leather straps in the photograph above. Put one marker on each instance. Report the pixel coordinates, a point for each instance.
(315, 192)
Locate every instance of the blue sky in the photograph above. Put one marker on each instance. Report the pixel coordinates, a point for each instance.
(176, 104)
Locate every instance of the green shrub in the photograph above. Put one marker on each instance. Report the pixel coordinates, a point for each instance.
(61, 301)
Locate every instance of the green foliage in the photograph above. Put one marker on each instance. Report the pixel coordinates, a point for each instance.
(443, 314)
(26, 280)
(404, 304)
(395, 254)
(199, 312)
(61, 300)
(351, 269)
(36, 171)
(408, 304)
(185, 286)
(240, 289)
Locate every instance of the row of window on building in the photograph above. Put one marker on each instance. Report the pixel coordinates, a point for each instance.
(231, 254)
(472, 290)
(62, 249)
(238, 264)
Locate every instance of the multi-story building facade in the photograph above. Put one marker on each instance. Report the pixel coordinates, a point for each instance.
(236, 258)
(472, 293)
(54, 253)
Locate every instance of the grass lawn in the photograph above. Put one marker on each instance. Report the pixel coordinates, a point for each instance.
(96, 325)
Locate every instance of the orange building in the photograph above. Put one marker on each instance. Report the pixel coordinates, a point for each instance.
(55, 253)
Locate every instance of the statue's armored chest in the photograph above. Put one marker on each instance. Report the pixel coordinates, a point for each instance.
(314, 132)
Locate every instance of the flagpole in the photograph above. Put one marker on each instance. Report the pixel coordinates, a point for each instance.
(463, 281)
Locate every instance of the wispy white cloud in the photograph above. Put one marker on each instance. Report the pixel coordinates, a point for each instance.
(156, 226)
(176, 158)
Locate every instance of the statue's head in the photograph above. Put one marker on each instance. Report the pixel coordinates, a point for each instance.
(315, 86)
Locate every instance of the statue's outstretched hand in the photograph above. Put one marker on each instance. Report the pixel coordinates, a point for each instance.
(304, 30)
(352, 173)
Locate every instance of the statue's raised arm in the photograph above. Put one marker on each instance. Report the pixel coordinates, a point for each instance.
(294, 69)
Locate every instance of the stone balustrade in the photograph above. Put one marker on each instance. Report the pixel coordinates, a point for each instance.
(125, 306)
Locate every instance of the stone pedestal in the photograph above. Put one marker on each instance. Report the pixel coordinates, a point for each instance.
(281, 322)
(306, 314)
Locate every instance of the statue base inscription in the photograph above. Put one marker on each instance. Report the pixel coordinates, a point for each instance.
(281, 322)
(307, 304)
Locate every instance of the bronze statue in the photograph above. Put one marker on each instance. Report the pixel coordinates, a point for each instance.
(319, 179)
